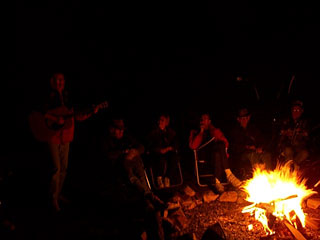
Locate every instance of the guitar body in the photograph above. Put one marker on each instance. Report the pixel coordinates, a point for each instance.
(39, 127)
(47, 129)
(63, 112)
(44, 129)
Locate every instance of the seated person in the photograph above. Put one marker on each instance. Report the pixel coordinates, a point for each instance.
(247, 145)
(294, 135)
(123, 152)
(215, 152)
(163, 146)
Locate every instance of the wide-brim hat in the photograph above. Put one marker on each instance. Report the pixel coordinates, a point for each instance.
(297, 103)
(243, 112)
(118, 123)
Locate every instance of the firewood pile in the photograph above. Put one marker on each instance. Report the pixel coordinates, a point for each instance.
(193, 212)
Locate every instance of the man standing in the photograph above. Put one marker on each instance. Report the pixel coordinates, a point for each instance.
(57, 120)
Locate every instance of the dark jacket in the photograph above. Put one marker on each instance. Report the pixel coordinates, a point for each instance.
(295, 133)
(241, 138)
(114, 149)
(159, 139)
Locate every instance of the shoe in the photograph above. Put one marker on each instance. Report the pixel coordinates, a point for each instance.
(156, 201)
(8, 225)
(219, 186)
(166, 182)
(234, 180)
(56, 206)
(172, 205)
(160, 182)
(149, 205)
(63, 199)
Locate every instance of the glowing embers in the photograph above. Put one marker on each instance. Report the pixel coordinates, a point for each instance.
(276, 196)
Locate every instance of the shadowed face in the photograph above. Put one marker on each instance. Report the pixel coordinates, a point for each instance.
(164, 122)
(58, 82)
(244, 121)
(118, 129)
(296, 112)
(117, 133)
(205, 121)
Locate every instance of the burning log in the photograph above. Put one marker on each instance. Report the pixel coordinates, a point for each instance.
(313, 203)
(277, 197)
(268, 210)
(294, 231)
(313, 223)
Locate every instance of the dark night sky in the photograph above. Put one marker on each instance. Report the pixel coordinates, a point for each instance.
(146, 56)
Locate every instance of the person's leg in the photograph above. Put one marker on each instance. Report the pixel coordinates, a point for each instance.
(223, 165)
(254, 158)
(172, 172)
(219, 160)
(158, 168)
(246, 164)
(64, 156)
(55, 178)
(302, 154)
(266, 159)
(154, 225)
(288, 153)
(136, 174)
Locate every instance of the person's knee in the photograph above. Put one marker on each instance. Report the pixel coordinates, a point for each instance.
(63, 171)
(302, 155)
(220, 145)
(305, 153)
(56, 170)
(133, 179)
(64, 167)
(266, 157)
(288, 151)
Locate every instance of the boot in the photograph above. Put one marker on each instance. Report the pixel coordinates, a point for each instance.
(55, 205)
(160, 182)
(219, 186)
(234, 180)
(166, 182)
(155, 201)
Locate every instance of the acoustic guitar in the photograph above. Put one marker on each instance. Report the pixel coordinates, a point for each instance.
(43, 127)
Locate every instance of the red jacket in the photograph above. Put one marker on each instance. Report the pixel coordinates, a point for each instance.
(55, 101)
(197, 138)
(66, 135)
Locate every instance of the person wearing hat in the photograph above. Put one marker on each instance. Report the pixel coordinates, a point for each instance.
(294, 135)
(247, 145)
(124, 151)
(125, 165)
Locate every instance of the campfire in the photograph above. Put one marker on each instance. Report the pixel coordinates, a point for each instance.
(277, 198)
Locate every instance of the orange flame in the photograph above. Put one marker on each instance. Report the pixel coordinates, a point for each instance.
(280, 192)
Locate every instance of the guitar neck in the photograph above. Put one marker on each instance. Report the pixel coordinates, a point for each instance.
(55, 116)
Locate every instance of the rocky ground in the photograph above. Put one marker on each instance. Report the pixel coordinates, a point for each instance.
(198, 210)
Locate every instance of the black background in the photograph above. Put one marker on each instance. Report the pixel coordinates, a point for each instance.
(144, 57)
